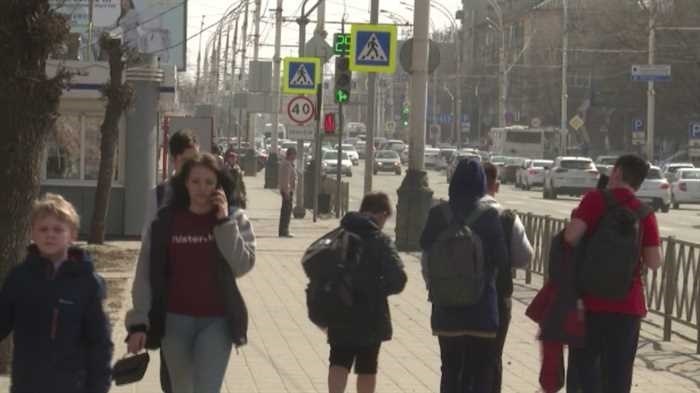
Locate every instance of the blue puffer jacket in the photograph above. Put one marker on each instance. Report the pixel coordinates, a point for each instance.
(61, 334)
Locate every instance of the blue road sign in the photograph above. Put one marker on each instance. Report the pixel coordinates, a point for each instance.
(373, 48)
(694, 130)
(637, 125)
(651, 73)
(301, 75)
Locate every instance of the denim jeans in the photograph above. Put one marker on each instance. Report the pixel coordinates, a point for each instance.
(468, 364)
(197, 351)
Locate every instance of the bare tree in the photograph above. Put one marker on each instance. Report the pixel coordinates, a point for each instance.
(119, 97)
(29, 32)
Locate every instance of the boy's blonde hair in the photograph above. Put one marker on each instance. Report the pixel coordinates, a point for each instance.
(57, 206)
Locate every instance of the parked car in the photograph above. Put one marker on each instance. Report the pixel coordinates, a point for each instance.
(508, 171)
(329, 163)
(396, 145)
(444, 157)
(655, 190)
(532, 172)
(686, 188)
(570, 176)
(387, 161)
(458, 156)
(670, 170)
(432, 155)
(352, 153)
(604, 164)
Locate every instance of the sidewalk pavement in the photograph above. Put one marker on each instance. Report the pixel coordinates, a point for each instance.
(286, 353)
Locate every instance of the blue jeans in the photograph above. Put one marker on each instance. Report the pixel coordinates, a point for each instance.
(197, 351)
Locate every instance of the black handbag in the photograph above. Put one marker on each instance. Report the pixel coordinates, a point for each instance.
(130, 369)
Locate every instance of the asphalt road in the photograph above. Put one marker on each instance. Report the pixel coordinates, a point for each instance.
(684, 223)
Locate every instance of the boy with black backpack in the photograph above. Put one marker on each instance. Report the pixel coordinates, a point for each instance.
(352, 271)
(616, 236)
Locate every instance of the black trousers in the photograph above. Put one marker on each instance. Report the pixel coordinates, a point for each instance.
(606, 363)
(468, 364)
(164, 375)
(505, 306)
(286, 213)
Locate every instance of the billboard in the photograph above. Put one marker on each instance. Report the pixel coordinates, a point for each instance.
(150, 26)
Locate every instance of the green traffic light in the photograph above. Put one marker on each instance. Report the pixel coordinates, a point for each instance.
(341, 96)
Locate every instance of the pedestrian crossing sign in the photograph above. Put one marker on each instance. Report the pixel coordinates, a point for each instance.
(373, 48)
(301, 75)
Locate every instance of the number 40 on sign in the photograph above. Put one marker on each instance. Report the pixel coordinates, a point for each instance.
(300, 110)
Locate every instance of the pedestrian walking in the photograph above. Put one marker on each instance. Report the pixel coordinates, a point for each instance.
(52, 302)
(520, 254)
(463, 289)
(185, 296)
(182, 146)
(616, 235)
(287, 186)
(379, 273)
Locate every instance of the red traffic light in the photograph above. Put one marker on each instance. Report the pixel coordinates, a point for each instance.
(329, 123)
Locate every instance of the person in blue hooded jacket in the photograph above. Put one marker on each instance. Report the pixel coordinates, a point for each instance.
(52, 302)
(467, 334)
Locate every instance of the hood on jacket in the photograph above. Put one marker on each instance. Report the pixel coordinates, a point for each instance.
(467, 187)
(359, 223)
(78, 262)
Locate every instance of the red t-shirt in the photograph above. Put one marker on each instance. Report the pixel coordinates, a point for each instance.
(192, 286)
(590, 210)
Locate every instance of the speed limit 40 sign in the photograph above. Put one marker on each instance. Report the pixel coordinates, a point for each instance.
(300, 114)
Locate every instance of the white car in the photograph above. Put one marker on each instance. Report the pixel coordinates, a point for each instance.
(387, 161)
(604, 164)
(329, 163)
(444, 157)
(352, 153)
(457, 156)
(655, 191)
(686, 188)
(432, 155)
(670, 170)
(532, 173)
(570, 176)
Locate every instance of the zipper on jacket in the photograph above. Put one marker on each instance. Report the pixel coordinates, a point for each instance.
(54, 323)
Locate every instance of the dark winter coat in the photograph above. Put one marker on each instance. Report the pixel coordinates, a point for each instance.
(379, 274)
(61, 333)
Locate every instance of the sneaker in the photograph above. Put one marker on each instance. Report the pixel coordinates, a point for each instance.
(289, 235)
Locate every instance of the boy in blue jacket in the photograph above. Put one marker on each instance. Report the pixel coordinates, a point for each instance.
(53, 304)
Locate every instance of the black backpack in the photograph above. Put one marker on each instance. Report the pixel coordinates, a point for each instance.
(456, 271)
(329, 263)
(610, 255)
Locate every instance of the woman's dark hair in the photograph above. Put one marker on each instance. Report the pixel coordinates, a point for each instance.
(376, 202)
(181, 199)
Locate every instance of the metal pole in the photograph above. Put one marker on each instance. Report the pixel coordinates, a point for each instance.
(459, 42)
(340, 146)
(419, 84)
(199, 60)
(276, 77)
(299, 210)
(502, 77)
(244, 45)
(256, 37)
(371, 111)
(651, 93)
(564, 129)
(91, 28)
(320, 23)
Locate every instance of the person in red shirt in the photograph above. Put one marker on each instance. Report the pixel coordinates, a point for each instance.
(606, 361)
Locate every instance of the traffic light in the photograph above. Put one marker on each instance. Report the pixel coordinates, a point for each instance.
(343, 80)
(329, 124)
(405, 112)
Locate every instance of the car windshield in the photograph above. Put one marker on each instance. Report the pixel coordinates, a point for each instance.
(542, 164)
(387, 154)
(693, 175)
(515, 161)
(654, 174)
(675, 169)
(498, 159)
(348, 147)
(607, 160)
(576, 164)
(333, 155)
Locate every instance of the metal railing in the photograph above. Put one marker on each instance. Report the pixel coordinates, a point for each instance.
(671, 292)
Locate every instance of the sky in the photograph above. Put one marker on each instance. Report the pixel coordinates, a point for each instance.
(356, 11)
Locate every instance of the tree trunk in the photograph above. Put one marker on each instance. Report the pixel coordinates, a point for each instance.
(118, 97)
(29, 31)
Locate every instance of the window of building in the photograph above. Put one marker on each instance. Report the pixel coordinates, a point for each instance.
(72, 153)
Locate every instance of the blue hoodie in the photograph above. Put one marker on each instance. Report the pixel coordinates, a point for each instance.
(61, 334)
(467, 187)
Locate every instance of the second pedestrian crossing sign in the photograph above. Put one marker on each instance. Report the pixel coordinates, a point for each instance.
(373, 48)
(301, 75)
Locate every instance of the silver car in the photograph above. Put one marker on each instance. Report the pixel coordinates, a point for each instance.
(655, 191)
(570, 176)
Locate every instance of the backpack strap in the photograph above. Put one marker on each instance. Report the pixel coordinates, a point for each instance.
(471, 218)
(508, 222)
(160, 193)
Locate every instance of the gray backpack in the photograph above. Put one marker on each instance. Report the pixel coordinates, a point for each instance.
(456, 273)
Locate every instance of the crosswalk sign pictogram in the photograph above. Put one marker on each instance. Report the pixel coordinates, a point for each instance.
(373, 48)
(301, 75)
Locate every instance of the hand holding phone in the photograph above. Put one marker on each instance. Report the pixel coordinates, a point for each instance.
(220, 203)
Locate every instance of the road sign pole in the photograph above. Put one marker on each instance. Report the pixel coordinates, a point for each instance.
(372, 111)
(339, 129)
(651, 94)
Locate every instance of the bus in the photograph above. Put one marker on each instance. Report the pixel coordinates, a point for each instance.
(521, 141)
